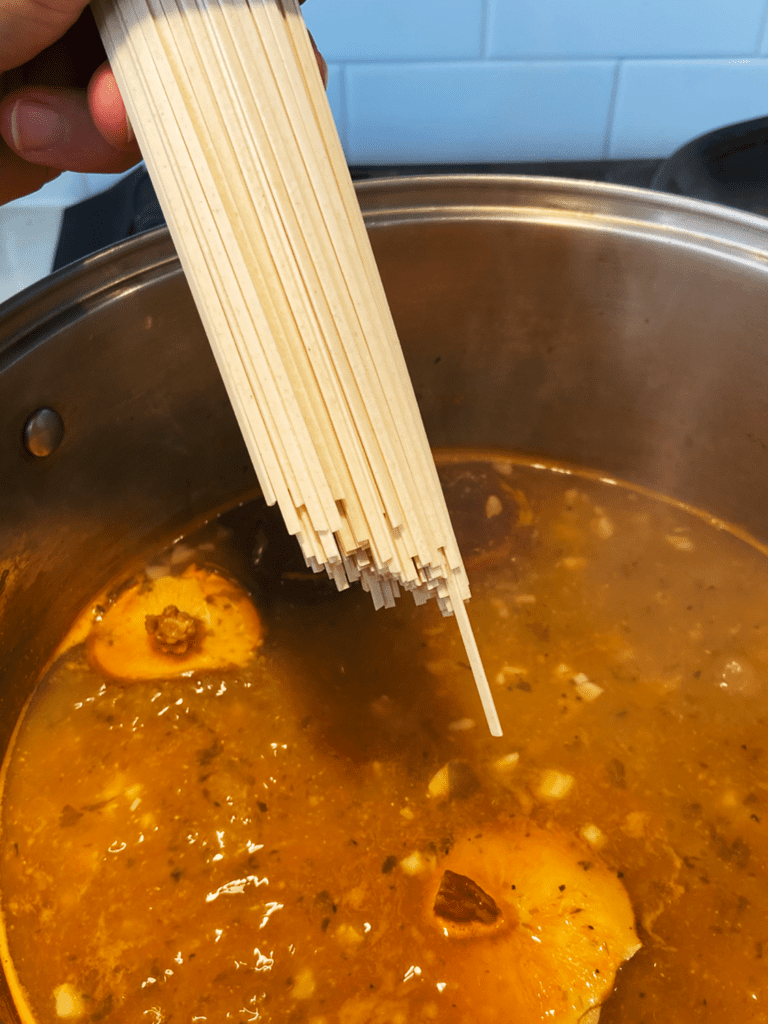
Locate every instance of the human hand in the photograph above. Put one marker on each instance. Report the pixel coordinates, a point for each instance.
(60, 109)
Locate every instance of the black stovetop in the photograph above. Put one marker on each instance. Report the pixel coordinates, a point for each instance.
(618, 172)
(131, 206)
(729, 166)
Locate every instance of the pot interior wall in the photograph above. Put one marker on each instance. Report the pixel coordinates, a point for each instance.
(585, 323)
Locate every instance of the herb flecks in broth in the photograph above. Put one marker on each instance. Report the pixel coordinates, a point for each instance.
(267, 842)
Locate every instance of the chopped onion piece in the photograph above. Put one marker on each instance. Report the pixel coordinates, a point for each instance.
(555, 785)
(573, 561)
(462, 725)
(414, 864)
(493, 506)
(681, 542)
(508, 670)
(507, 764)
(593, 835)
(589, 691)
(68, 1002)
(303, 984)
(602, 527)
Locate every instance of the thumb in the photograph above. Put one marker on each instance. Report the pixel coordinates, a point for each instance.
(54, 128)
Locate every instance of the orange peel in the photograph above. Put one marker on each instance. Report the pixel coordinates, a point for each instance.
(128, 644)
(562, 926)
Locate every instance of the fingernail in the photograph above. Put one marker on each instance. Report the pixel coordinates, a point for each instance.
(130, 138)
(36, 127)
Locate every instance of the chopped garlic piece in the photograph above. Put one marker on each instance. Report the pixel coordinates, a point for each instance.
(407, 813)
(573, 561)
(303, 984)
(508, 670)
(493, 506)
(440, 783)
(68, 1002)
(555, 785)
(462, 725)
(602, 527)
(680, 542)
(593, 835)
(455, 780)
(525, 599)
(508, 763)
(354, 898)
(588, 691)
(348, 935)
(634, 825)
(181, 553)
(414, 864)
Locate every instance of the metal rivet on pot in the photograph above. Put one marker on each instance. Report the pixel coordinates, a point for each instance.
(43, 432)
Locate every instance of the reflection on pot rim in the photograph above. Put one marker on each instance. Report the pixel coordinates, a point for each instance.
(592, 324)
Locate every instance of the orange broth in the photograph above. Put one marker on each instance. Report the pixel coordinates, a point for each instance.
(260, 844)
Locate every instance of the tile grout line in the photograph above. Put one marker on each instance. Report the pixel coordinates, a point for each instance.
(761, 32)
(549, 58)
(485, 17)
(609, 125)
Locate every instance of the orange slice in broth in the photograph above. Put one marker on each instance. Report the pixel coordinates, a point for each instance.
(226, 627)
(564, 926)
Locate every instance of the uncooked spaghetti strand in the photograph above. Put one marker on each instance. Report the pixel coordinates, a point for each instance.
(302, 348)
(311, 232)
(387, 356)
(304, 477)
(238, 137)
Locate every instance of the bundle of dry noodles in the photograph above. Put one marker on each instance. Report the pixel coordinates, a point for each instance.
(229, 109)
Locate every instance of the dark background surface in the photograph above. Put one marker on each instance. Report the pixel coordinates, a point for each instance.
(728, 166)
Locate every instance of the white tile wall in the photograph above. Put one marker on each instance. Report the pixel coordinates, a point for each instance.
(29, 228)
(425, 81)
(662, 104)
(387, 30)
(480, 80)
(28, 239)
(486, 111)
(624, 28)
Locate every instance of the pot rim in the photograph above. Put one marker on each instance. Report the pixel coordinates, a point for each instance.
(589, 205)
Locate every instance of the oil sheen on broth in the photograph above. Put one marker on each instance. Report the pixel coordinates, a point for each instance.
(271, 842)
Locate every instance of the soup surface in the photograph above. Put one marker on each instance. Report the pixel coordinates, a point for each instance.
(281, 841)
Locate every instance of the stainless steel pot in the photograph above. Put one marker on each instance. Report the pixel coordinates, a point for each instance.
(604, 326)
